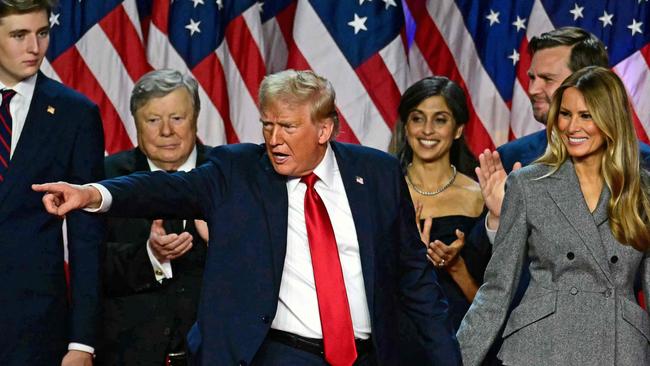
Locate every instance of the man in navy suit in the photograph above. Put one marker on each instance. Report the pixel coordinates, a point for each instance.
(261, 303)
(48, 133)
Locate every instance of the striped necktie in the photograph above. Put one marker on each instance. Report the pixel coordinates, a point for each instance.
(5, 132)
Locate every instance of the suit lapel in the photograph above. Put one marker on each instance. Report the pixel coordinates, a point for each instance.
(35, 139)
(273, 194)
(201, 152)
(141, 163)
(568, 197)
(354, 179)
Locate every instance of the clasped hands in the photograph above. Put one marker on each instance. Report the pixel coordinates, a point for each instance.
(171, 246)
(438, 253)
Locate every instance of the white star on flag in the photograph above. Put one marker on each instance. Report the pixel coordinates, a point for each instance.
(197, 2)
(54, 19)
(358, 23)
(361, 1)
(193, 27)
(390, 3)
(606, 19)
(514, 57)
(220, 4)
(520, 23)
(577, 11)
(635, 27)
(493, 17)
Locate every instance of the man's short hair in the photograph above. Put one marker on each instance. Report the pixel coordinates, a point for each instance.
(158, 83)
(300, 88)
(9, 7)
(586, 48)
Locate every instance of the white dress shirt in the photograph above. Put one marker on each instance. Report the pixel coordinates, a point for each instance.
(297, 310)
(19, 107)
(163, 269)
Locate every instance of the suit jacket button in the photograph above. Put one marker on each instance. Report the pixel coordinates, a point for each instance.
(570, 256)
(574, 291)
(242, 363)
(266, 319)
(608, 293)
(613, 259)
(167, 331)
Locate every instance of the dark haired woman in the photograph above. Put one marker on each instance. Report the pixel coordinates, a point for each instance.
(439, 171)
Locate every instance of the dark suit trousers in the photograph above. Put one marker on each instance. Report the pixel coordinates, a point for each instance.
(273, 353)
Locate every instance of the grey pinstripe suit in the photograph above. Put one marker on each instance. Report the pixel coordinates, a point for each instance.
(579, 308)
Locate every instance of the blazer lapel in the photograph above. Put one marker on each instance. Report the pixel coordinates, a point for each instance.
(570, 200)
(35, 138)
(273, 194)
(354, 176)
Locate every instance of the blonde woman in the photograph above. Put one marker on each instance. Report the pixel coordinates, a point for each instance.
(579, 216)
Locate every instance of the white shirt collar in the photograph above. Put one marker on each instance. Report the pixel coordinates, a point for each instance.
(325, 170)
(25, 88)
(188, 165)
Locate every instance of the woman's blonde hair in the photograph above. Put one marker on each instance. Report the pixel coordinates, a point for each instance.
(606, 99)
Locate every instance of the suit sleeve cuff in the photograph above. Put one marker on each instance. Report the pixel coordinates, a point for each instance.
(161, 270)
(80, 347)
(107, 198)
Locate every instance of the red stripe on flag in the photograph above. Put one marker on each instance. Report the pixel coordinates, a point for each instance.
(285, 20)
(297, 61)
(124, 38)
(246, 54)
(145, 22)
(524, 64)
(441, 62)
(160, 15)
(209, 73)
(645, 51)
(640, 131)
(75, 73)
(381, 87)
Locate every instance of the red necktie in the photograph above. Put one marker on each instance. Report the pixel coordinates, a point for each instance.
(335, 319)
(5, 132)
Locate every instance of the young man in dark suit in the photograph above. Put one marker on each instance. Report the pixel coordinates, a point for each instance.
(153, 268)
(314, 255)
(48, 132)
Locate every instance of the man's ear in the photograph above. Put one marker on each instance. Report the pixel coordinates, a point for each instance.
(325, 130)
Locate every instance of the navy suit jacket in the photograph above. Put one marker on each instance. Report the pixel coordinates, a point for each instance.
(245, 203)
(62, 140)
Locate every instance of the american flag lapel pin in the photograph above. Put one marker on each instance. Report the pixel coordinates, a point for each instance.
(359, 179)
(50, 109)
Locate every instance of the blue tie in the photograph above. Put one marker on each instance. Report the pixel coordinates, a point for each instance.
(5, 132)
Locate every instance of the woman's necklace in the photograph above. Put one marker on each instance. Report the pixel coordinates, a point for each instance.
(439, 190)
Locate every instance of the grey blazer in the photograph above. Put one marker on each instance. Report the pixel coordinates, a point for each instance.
(579, 308)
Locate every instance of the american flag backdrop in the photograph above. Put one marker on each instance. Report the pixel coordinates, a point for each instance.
(371, 50)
